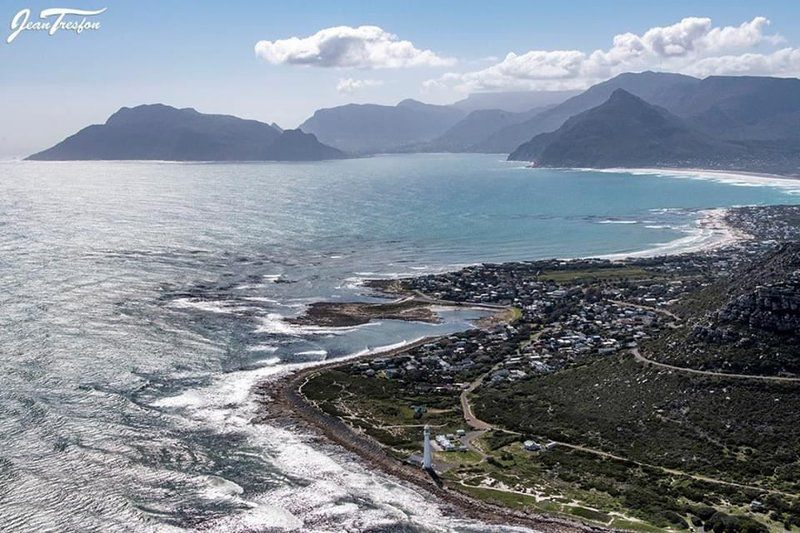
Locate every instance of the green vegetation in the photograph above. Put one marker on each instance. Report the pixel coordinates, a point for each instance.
(745, 432)
(594, 274)
(635, 446)
(742, 431)
(382, 408)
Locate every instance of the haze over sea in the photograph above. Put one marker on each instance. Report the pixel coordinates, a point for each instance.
(141, 301)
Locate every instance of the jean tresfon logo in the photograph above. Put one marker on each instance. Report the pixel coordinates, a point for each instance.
(54, 19)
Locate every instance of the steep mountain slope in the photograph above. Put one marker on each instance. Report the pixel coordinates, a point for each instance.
(626, 131)
(295, 145)
(651, 86)
(743, 108)
(160, 132)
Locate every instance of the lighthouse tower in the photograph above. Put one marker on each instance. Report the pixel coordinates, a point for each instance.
(427, 453)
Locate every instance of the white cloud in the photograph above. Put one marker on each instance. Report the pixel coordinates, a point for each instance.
(693, 46)
(344, 46)
(351, 85)
(784, 62)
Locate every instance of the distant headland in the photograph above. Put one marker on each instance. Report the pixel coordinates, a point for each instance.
(161, 132)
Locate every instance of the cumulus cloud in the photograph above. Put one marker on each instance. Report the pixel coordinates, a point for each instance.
(693, 45)
(364, 47)
(784, 62)
(351, 85)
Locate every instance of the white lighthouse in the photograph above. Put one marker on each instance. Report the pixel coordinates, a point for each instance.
(427, 453)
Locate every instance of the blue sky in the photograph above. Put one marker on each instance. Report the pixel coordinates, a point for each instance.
(201, 54)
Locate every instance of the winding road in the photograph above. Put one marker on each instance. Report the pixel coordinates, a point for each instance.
(482, 426)
(644, 360)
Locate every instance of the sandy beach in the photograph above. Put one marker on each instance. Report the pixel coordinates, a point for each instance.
(740, 178)
(711, 232)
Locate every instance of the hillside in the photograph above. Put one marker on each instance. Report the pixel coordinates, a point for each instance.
(625, 131)
(473, 129)
(295, 145)
(651, 86)
(370, 128)
(740, 107)
(160, 132)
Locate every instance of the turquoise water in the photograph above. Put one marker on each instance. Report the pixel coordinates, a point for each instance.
(140, 305)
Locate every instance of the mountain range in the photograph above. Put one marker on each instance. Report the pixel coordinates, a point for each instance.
(647, 85)
(743, 108)
(413, 126)
(372, 128)
(513, 101)
(634, 119)
(629, 132)
(160, 132)
(726, 123)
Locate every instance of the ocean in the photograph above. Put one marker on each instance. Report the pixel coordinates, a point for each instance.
(140, 302)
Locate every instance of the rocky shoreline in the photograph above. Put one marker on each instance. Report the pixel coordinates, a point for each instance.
(346, 314)
(282, 399)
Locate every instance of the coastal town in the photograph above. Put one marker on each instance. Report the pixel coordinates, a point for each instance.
(495, 437)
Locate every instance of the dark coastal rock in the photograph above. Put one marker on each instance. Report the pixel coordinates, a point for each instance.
(774, 308)
(344, 314)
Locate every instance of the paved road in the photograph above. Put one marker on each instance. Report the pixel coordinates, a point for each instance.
(666, 470)
(481, 426)
(644, 360)
(673, 471)
(473, 421)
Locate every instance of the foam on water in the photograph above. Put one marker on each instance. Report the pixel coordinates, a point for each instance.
(144, 301)
(737, 179)
(219, 487)
(313, 352)
(267, 348)
(276, 323)
(334, 486)
(201, 305)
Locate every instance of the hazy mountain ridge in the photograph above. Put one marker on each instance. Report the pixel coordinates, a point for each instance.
(743, 108)
(372, 128)
(647, 85)
(473, 129)
(626, 131)
(415, 126)
(513, 101)
(161, 132)
(740, 122)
